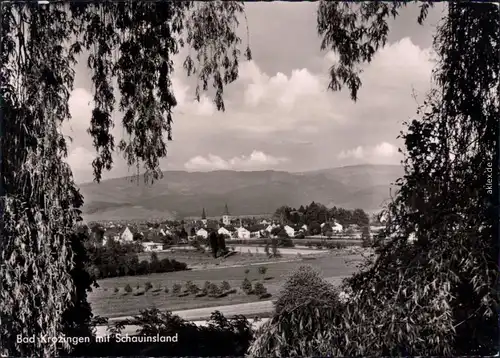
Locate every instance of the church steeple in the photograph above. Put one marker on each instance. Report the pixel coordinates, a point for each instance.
(203, 215)
(226, 220)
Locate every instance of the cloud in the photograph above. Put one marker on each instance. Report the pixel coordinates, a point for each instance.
(80, 105)
(280, 108)
(379, 154)
(185, 104)
(357, 153)
(280, 90)
(257, 160)
(385, 150)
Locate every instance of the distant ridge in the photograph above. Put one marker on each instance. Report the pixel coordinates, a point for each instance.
(184, 194)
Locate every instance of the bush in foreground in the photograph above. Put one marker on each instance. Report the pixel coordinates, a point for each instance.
(305, 309)
(221, 337)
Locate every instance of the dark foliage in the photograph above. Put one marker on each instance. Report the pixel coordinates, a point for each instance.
(304, 310)
(77, 319)
(246, 286)
(222, 337)
(442, 285)
(115, 260)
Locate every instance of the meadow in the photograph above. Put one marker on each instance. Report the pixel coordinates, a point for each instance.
(108, 303)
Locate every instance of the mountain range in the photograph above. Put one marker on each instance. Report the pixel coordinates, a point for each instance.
(184, 194)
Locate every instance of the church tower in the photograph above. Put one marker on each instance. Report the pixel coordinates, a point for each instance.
(204, 217)
(226, 219)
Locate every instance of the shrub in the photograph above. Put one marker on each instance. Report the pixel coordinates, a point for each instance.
(229, 337)
(138, 287)
(192, 288)
(148, 286)
(247, 271)
(259, 289)
(305, 297)
(116, 289)
(302, 286)
(262, 270)
(246, 286)
(213, 290)
(206, 286)
(225, 286)
(266, 249)
(166, 290)
(176, 288)
(128, 288)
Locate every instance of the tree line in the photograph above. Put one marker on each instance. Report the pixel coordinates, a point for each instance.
(121, 259)
(317, 213)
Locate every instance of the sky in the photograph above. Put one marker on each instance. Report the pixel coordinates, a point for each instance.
(279, 114)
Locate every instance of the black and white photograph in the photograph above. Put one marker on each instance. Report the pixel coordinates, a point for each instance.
(249, 179)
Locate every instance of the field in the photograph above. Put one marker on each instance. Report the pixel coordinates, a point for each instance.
(105, 302)
(196, 260)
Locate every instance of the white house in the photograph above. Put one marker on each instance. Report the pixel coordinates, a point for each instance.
(255, 234)
(271, 227)
(243, 233)
(224, 231)
(289, 230)
(152, 246)
(336, 227)
(202, 232)
(126, 235)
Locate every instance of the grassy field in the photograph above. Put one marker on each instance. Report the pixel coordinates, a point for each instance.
(105, 302)
(196, 259)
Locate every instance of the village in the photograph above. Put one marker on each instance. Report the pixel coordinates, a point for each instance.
(157, 236)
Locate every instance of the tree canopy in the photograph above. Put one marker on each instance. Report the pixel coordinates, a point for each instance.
(435, 295)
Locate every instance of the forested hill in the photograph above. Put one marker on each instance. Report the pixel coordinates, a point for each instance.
(181, 194)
